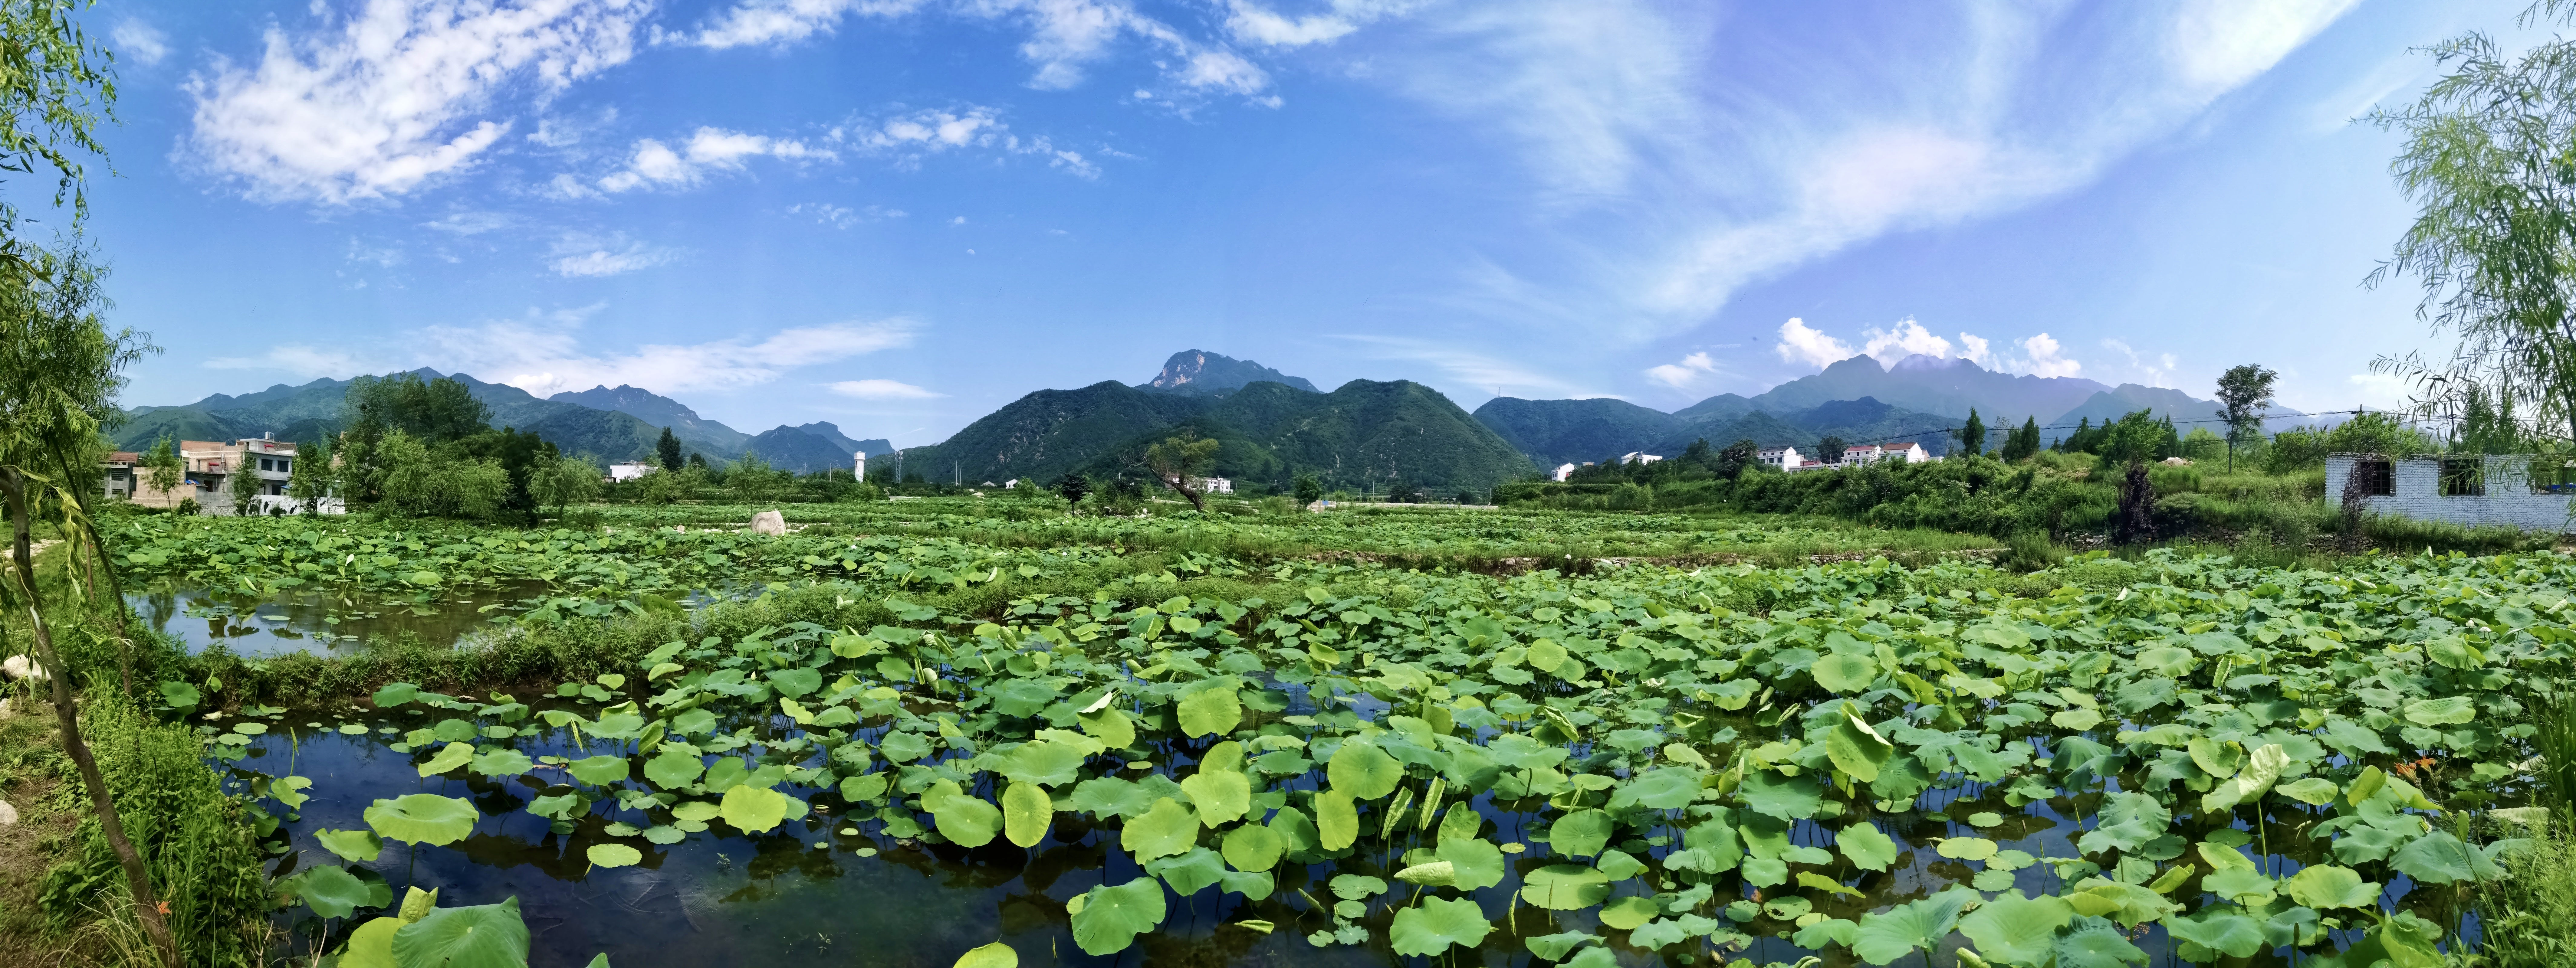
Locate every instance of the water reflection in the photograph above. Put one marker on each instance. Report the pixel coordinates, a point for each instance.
(318, 620)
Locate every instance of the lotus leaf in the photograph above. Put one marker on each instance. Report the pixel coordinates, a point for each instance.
(1438, 873)
(2316, 791)
(613, 855)
(331, 892)
(1165, 830)
(1027, 812)
(1844, 673)
(449, 758)
(1627, 913)
(1337, 820)
(1432, 926)
(2096, 943)
(1554, 947)
(1474, 863)
(2227, 931)
(2327, 887)
(1665, 788)
(423, 818)
(968, 820)
(484, 936)
(1565, 887)
(1222, 797)
(2446, 711)
(673, 768)
(359, 846)
(1580, 833)
(1883, 938)
(1363, 771)
(1041, 762)
(598, 770)
(1966, 848)
(1111, 726)
(500, 762)
(1110, 918)
(2440, 858)
(1212, 711)
(995, 955)
(1253, 847)
(754, 810)
(1191, 872)
(2128, 820)
(2262, 768)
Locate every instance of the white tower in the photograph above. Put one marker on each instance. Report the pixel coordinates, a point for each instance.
(862, 459)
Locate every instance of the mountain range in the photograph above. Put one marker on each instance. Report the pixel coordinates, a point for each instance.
(1271, 427)
(618, 424)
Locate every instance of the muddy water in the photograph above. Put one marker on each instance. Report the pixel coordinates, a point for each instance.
(808, 894)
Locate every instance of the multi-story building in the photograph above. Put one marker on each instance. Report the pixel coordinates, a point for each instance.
(206, 470)
(1910, 453)
(1784, 458)
(117, 471)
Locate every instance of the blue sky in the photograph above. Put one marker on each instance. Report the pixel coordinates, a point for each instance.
(898, 215)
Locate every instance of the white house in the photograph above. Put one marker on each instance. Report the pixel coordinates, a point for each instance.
(1784, 458)
(1639, 457)
(1860, 454)
(1216, 485)
(622, 473)
(1561, 472)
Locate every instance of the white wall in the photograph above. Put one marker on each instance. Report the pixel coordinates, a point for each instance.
(2509, 500)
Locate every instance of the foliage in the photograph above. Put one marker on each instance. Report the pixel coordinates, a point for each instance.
(1972, 435)
(1178, 462)
(667, 449)
(2243, 391)
(564, 481)
(310, 479)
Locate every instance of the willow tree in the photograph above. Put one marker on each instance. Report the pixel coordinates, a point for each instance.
(59, 372)
(2493, 243)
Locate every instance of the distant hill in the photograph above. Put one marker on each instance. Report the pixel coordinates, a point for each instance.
(1365, 432)
(313, 410)
(1933, 385)
(2128, 398)
(1199, 372)
(1718, 407)
(1556, 432)
(712, 438)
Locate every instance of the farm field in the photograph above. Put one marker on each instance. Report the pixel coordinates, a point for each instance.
(907, 731)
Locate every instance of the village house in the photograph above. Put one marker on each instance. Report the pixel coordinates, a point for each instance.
(1784, 458)
(118, 471)
(621, 473)
(206, 469)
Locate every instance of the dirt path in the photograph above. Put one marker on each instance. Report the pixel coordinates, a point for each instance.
(27, 780)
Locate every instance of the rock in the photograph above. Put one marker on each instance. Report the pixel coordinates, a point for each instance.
(769, 522)
(22, 667)
(8, 814)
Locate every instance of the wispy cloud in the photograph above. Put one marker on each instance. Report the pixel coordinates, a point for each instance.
(708, 150)
(545, 357)
(1689, 372)
(139, 42)
(582, 255)
(2040, 354)
(394, 95)
(770, 22)
(302, 360)
(880, 390)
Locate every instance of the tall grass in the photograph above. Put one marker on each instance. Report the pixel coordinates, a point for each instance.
(2529, 916)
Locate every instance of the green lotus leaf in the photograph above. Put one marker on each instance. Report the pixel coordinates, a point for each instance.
(2440, 858)
(1966, 848)
(1210, 712)
(598, 770)
(1109, 796)
(331, 892)
(1431, 927)
(696, 811)
(1050, 764)
(2129, 820)
(613, 855)
(2262, 768)
(1856, 749)
(1544, 655)
(1844, 673)
(1027, 812)
(1788, 798)
(2243, 885)
(1580, 833)
(1627, 913)
(995, 955)
(1363, 771)
(1253, 847)
(1110, 918)
(484, 936)
(2317, 791)
(1883, 938)
(901, 747)
(2220, 760)
(1663, 788)
(1437, 873)
(2128, 904)
(966, 819)
(393, 694)
(2446, 711)
(1474, 863)
(2097, 943)
(1189, 872)
(673, 768)
(359, 846)
(754, 810)
(2326, 887)
(2078, 719)
(372, 944)
(2224, 930)
(450, 757)
(1222, 797)
(502, 762)
(1565, 887)
(1554, 947)
(796, 683)
(1867, 846)
(423, 818)
(1165, 830)
(1111, 726)
(1337, 820)
(1820, 882)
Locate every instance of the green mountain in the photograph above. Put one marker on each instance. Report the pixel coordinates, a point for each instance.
(1555, 432)
(1365, 433)
(313, 410)
(660, 411)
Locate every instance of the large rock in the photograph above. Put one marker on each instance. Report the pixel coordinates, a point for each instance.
(22, 667)
(8, 814)
(769, 522)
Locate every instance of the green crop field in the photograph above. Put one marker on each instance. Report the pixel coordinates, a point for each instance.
(1225, 753)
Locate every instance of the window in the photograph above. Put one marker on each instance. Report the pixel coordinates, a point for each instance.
(267, 465)
(284, 465)
(2463, 477)
(2552, 479)
(2373, 477)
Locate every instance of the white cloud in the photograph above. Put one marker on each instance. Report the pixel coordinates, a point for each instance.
(580, 255)
(781, 22)
(139, 41)
(394, 95)
(2223, 43)
(1253, 23)
(301, 360)
(656, 165)
(2155, 371)
(471, 223)
(841, 216)
(2044, 358)
(1800, 343)
(880, 390)
(1974, 349)
(545, 357)
(1682, 375)
(1908, 338)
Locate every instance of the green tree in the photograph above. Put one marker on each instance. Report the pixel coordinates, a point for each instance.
(308, 480)
(2485, 162)
(405, 477)
(668, 449)
(1178, 462)
(1972, 437)
(753, 481)
(476, 489)
(565, 481)
(1073, 488)
(163, 470)
(2022, 442)
(2243, 392)
(1830, 450)
(244, 487)
(1308, 489)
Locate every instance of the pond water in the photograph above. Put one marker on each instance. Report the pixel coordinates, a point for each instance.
(827, 889)
(318, 620)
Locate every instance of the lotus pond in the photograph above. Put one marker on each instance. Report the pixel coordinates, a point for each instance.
(2177, 759)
